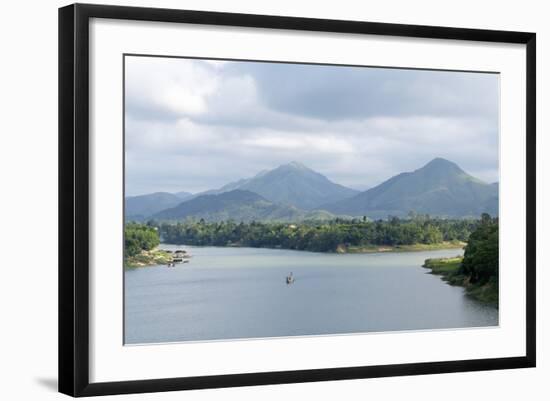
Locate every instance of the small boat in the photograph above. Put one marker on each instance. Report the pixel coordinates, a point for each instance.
(180, 256)
(290, 278)
(174, 262)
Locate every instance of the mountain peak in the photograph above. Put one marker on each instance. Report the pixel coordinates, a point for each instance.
(439, 188)
(296, 165)
(440, 163)
(298, 185)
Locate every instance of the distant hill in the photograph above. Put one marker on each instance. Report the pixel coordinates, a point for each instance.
(292, 184)
(237, 205)
(235, 184)
(183, 195)
(294, 192)
(142, 207)
(440, 188)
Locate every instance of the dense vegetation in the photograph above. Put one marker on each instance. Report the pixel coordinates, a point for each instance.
(332, 236)
(140, 246)
(480, 262)
(138, 238)
(478, 269)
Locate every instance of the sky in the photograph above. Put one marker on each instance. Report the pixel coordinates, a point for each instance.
(193, 124)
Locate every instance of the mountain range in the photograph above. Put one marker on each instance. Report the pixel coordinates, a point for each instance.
(295, 192)
(143, 206)
(292, 184)
(238, 205)
(439, 188)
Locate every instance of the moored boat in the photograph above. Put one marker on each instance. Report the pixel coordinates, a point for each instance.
(180, 256)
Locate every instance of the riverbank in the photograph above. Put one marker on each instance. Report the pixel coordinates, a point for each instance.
(343, 249)
(401, 248)
(449, 270)
(148, 258)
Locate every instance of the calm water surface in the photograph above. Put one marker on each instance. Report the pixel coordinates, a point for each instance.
(228, 293)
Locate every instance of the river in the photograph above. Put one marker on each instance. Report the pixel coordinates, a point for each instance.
(230, 293)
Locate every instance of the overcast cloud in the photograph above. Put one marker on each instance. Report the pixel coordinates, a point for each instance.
(193, 125)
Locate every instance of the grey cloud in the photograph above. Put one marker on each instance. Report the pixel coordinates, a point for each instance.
(358, 126)
(338, 92)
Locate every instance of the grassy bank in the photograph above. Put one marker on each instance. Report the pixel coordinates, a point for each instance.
(148, 258)
(401, 248)
(449, 270)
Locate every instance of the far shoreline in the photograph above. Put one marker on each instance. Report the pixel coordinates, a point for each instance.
(159, 256)
(365, 249)
(403, 248)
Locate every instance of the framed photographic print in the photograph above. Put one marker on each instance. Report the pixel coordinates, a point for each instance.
(255, 199)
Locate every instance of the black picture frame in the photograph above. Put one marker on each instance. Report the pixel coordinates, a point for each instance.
(74, 198)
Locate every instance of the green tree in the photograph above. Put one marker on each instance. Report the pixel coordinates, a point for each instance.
(481, 260)
(432, 235)
(139, 237)
(319, 236)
